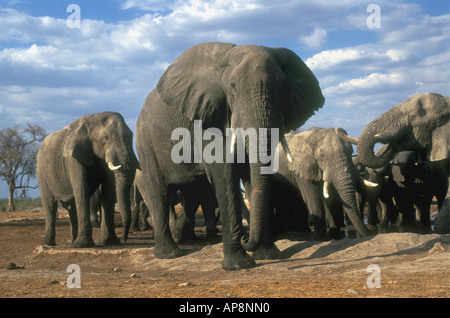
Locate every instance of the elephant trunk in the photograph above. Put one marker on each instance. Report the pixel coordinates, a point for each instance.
(385, 129)
(344, 185)
(124, 182)
(261, 158)
(259, 202)
(124, 174)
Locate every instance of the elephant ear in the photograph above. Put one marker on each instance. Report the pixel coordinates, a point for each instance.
(300, 93)
(304, 164)
(440, 143)
(192, 84)
(77, 143)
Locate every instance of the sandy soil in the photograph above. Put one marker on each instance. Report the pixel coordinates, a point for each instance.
(410, 265)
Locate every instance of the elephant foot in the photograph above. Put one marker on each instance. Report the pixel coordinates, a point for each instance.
(265, 252)
(211, 234)
(336, 234)
(111, 241)
(83, 242)
(237, 261)
(134, 229)
(167, 251)
(319, 236)
(145, 227)
(48, 242)
(188, 237)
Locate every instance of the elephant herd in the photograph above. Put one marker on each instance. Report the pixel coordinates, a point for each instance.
(222, 90)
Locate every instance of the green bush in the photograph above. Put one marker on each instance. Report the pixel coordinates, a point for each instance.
(21, 204)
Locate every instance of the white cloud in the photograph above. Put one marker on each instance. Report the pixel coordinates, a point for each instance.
(316, 39)
(373, 82)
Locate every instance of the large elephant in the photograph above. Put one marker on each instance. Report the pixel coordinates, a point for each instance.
(324, 172)
(73, 162)
(419, 123)
(222, 86)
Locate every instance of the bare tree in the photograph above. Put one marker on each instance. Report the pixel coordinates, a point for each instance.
(18, 151)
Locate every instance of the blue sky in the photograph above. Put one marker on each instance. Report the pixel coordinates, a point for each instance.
(52, 74)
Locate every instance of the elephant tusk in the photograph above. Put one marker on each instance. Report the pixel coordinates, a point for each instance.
(286, 149)
(370, 184)
(326, 184)
(341, 133)
(113, 167)
(233, 142)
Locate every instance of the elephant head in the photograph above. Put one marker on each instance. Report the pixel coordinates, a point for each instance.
(319, 154)
(106, 141)
(419, 123)
(248, 86)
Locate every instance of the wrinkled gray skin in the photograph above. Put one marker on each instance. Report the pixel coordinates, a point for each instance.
(223, 85)
(73, 162)
(419, 123)
(321, 157)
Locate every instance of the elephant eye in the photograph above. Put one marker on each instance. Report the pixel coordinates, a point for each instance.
(233, 86)
(105, 138)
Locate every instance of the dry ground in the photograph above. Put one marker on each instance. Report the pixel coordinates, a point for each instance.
(411, 265)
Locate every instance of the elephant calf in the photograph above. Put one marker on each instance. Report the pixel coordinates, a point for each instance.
(73, 162)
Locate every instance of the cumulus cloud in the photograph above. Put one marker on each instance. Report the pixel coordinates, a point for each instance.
(316, 39)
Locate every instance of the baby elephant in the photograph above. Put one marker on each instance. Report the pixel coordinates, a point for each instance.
(73, 162)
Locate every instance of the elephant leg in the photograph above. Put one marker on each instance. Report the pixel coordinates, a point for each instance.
(72, 210)
(50, 206)
(225, 183)
(144, 215)
(77, 175)
(372, 208)
(423, 206)
(334, 216)
(209, 214)
(442, 222)
(134, 227)
(95, 205)
(165, 246)
(384, 217)
(177, 223)
(190, 207)
(157, 199)
(406, 220)
(107, 225)
(312, 195)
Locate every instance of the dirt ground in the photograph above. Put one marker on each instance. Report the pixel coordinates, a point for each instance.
(409, 265)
